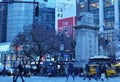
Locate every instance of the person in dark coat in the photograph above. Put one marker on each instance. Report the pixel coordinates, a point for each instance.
(20, 71)
(99, 71)
(104, 71)
(87, 71)
(4, 71)
(80, 71)
(70, 71)
(15, 72)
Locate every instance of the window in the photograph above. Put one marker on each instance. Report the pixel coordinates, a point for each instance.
(109, 3)
(61, 15)
(58, 15)
(109, 13)
(94, 5)
(82, 5)
(46, 0)
(108, 25)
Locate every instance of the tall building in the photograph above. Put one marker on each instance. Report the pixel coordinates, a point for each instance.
(19, 16)
(16, 14)
(20, 13)
(47, 17)
(106, 13)
(3, 21)
(65, 17)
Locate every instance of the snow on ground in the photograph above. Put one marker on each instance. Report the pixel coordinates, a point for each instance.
(55, 79)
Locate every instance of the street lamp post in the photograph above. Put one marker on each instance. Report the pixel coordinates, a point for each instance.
(62, 46)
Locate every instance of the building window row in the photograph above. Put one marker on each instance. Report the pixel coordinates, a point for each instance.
(109, 3)
(60, 15)
(109, 24)
(109, 13)
(94, 5)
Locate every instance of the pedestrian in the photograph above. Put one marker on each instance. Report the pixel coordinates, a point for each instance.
(70, 71)
(104, 71)
(4, 71)
(25, 70)
(20, 72)
(80, 71)
(87, 72)
(15, 72)
(99, 71)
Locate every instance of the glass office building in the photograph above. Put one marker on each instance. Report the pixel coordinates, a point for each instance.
(19, 16)
(47, 17)
(3, 21)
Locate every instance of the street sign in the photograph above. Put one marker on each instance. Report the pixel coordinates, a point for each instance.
(61, 47)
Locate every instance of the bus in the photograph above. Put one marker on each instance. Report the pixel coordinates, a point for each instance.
(96, 60)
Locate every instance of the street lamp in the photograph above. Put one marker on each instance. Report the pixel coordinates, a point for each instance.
(61, 46)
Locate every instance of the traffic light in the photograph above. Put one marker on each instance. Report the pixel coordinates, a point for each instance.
(36, 11)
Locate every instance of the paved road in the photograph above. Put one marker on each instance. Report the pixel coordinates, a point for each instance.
(54, 79)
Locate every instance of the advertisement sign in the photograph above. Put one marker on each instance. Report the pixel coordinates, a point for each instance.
(66, 25)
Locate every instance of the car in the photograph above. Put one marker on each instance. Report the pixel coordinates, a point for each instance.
(9, 71)
(27, 71)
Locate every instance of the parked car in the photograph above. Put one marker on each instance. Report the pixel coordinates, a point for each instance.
(27, 71)
(9, 71)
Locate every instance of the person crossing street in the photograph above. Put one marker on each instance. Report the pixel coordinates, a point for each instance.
(20, 71)
(70, 71)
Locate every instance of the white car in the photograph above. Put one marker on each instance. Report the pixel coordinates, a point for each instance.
(10, 71)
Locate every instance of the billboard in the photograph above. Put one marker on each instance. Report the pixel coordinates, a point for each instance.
(66, 25)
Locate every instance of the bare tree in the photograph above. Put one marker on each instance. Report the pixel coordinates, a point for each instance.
(38, 41)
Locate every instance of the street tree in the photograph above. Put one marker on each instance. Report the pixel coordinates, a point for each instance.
(36, 41)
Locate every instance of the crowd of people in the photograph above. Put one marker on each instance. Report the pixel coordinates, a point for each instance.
(101, 72)
(69, 70)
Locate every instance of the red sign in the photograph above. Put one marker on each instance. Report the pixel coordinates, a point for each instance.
(66, 25)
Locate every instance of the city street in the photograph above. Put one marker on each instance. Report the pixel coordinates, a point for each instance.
(55, 79)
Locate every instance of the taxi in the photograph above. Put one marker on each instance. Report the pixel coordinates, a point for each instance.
(110, 70)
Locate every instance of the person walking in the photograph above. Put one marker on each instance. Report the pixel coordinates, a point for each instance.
(70, 71)
(4, 71)
(97, 76)
(20, 71)
(104, 71)
(87, 71)
(80, 71)
(15, 72)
